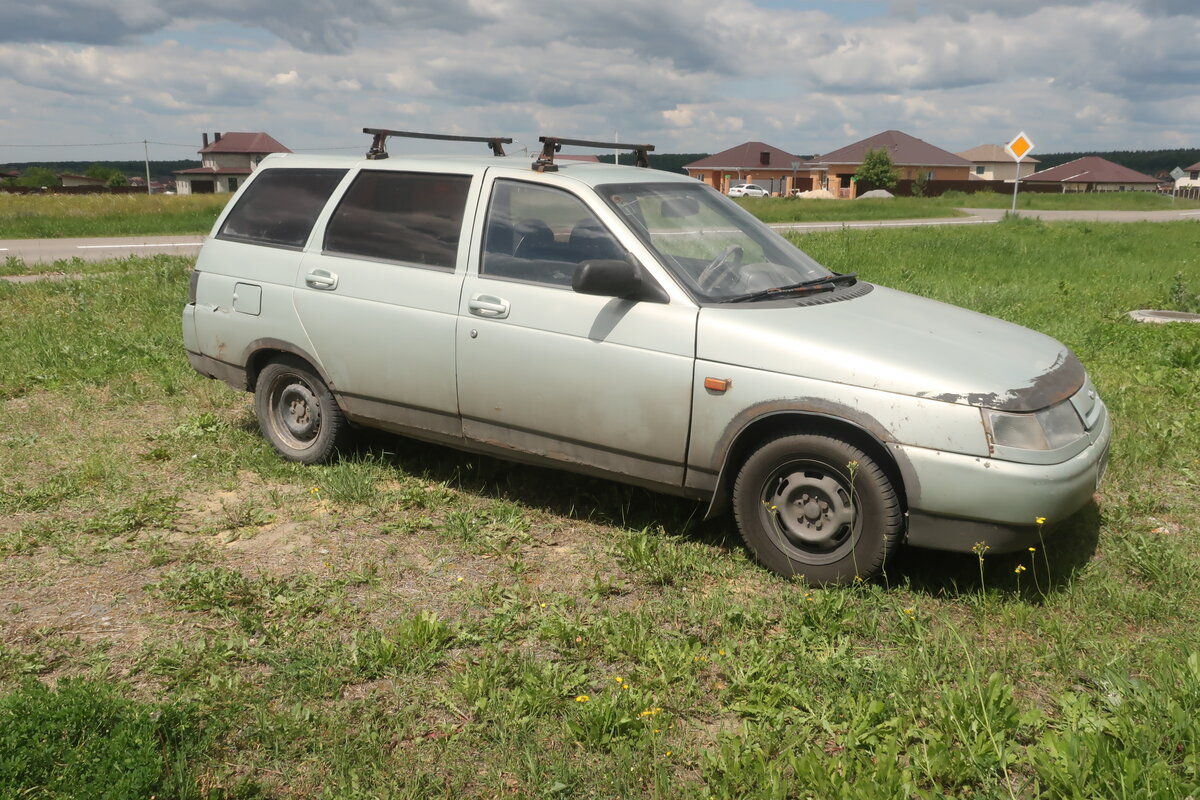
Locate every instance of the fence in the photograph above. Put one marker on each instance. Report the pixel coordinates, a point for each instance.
(935, 188)
(73, 189)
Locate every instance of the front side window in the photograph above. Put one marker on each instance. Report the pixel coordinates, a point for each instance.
(541, 234)
(714, 247)
(411, 217)
(280, 206)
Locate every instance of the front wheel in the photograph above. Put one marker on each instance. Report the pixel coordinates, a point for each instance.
(817, 507)
(297, 413)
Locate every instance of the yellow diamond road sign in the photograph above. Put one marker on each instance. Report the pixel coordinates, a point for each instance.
(1020, 146)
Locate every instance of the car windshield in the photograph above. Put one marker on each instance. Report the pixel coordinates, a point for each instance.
(717, 249)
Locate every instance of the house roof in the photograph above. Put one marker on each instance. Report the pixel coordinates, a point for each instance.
(213, 171)
(80, 177)
(10, 174)
(253, 143)
(993, 153)
(1193, 167)
(1090, 169)
(747, 156)
(905, 150)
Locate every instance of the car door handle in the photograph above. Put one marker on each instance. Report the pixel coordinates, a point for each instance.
(321, 279)
(486, 305)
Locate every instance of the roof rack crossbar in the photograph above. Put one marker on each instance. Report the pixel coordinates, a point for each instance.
(552, 144)
(379, 143)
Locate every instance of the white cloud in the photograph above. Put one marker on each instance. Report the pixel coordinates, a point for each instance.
(691, 75)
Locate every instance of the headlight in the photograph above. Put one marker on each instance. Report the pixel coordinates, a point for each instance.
(1048, 429)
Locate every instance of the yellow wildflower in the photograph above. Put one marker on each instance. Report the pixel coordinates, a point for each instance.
(1020, 568)
(583, 698)
(1040, 520)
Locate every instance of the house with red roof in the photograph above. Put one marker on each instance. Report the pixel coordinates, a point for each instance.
(1094, 174)
(1192, 179)
(912, 157)
(775, 170)
(226, 162)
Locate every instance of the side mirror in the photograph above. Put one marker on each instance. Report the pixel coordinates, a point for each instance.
(611, 277)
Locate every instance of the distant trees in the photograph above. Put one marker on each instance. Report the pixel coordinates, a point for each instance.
(877, 170)
(110, 175)
(38, 176)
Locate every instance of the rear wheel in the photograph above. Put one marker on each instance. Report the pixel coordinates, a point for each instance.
(817, 507)
(297, 413)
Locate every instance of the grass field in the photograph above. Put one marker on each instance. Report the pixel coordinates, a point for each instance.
(55, 216)
(795, 209)
(184, 615)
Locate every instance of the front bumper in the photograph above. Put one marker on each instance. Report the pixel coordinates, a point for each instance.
(962, 500)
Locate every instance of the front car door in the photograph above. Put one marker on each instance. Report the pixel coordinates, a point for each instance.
(597, 382)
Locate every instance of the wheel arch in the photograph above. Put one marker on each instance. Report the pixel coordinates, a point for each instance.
(772, 424)
(261, 352)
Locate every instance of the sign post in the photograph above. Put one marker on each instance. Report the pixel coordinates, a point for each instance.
(1176, 174)
(1018, 148)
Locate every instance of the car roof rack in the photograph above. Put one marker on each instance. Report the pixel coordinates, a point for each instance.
(552, 144)
(379, 143)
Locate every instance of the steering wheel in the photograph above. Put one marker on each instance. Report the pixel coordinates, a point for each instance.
(730, 257)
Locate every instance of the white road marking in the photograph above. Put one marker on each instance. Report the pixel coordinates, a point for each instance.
(118, 246)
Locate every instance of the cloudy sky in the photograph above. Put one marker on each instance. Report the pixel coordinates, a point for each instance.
(685, 75)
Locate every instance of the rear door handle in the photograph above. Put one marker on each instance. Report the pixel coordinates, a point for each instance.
(486, 305)
(321, 279)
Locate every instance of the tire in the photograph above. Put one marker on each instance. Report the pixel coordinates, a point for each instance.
(297, 413)
(806, 513)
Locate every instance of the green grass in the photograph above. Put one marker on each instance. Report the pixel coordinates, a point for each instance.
(799, 209)
(1068, 201)
(55, 216)
(413, 622)
(774, 209)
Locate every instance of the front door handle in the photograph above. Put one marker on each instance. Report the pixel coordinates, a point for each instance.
(486, 305)
(321, 279)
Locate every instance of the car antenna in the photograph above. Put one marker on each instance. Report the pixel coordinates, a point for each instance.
(552, 144)
(379, 143)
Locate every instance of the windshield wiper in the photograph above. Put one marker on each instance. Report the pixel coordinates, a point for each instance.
(826, 284)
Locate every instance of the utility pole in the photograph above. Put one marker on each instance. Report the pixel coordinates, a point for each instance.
(146, 152)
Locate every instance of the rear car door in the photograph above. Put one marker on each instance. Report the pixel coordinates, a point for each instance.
(379, 299)
(599, 382)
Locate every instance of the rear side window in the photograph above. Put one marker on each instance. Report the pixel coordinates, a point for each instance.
(280, 206)
(411, 217)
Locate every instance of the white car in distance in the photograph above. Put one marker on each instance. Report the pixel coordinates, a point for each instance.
(748, 190)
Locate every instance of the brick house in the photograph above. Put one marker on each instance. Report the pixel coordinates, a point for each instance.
(226, 162)
(993, 163)
(759, 163)
(913, 158)
(1094, 174)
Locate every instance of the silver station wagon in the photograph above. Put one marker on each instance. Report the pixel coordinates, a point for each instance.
(636, 324)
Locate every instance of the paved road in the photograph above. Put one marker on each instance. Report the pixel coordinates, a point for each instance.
(45, 251)
(993, 214)
(979, 216)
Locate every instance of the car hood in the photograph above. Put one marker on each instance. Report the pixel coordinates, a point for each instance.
(896, 342)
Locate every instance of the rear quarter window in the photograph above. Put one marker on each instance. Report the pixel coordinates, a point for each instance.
(409, 217)
(280, 206)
